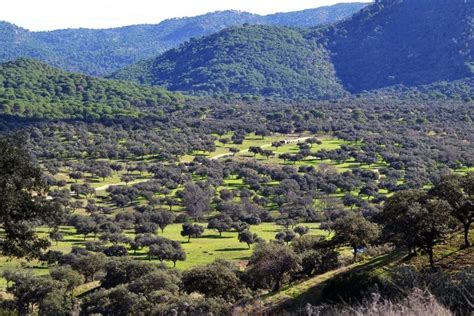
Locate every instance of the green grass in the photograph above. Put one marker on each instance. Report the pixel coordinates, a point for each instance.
(199, 251)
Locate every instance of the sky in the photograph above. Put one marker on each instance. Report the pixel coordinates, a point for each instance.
(41, 15)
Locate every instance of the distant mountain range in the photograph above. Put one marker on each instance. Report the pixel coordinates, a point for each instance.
(391, 42)
(98, 52)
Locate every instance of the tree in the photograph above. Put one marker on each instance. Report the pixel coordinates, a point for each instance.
(418, 219)
(218, 279)
(221, 224)
(270, 263)
(170, 202)
(355, 231)
(268, 153)
(262, 132)
(28, 290)
(65, 274)
(56, 236)
(127, 179)
(166, 249)
(234, 150)
(124, 270)
(192, 230)
(197, 199)
(301, 230)
(398, 218)
(311, 141)
(255, 150)
(85, 225)
(286, 236)
(434, 222)
(88, 265)
(248, 237)
(317, 255)
(459, 193)
(163, 219)
(23, 202)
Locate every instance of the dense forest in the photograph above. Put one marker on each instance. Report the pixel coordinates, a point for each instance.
(32, 89)
(99, 52)
(253, 60)
(391, 42)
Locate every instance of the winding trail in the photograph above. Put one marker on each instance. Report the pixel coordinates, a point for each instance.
(105, 187)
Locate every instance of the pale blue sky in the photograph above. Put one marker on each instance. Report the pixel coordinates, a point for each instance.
(56, 14)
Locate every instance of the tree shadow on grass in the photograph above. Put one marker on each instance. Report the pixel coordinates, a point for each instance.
(216, 237)
(231, 249)
(78, 241)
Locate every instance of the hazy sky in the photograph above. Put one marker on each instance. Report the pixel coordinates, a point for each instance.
(56, 14)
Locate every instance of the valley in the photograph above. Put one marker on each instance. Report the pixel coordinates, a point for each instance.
(314, 162)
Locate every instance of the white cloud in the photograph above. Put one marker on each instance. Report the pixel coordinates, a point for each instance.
(55, 14)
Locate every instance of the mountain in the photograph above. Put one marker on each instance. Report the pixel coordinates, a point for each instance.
(31, 89)
(312, 17)
(98, 52)
(257, 60)
(403, 42)
(389, 43)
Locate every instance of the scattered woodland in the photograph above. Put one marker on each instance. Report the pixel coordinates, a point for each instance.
(260, 170)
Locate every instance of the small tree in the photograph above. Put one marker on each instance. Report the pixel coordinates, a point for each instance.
(270, 263)
(248, 237)
(355, 231)
(301, 230)
(221, 224)
(56, 236)
(192, 230)
(234, 150)
(286, 236)
(163, 219)
(459, 193)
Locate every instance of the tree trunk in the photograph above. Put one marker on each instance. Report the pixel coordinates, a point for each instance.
(189, 238)
(277, 286)
(430, 255)
(466, 235)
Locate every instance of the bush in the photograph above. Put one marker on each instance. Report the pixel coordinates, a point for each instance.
(352, 287)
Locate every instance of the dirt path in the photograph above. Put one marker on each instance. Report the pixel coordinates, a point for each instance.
(105, 187)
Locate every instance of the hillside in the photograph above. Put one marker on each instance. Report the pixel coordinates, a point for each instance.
(32, 89)
(98, 52)
(392, 43)
(262, 60)
(403, 42)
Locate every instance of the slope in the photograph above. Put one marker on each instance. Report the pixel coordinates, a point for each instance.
(403, 42)
(98, 52)
(258, 60)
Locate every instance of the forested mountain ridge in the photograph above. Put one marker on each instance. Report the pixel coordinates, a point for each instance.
(257, 60)
(101, 51)
(29, 88)
(403, 42)
(389, 43)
